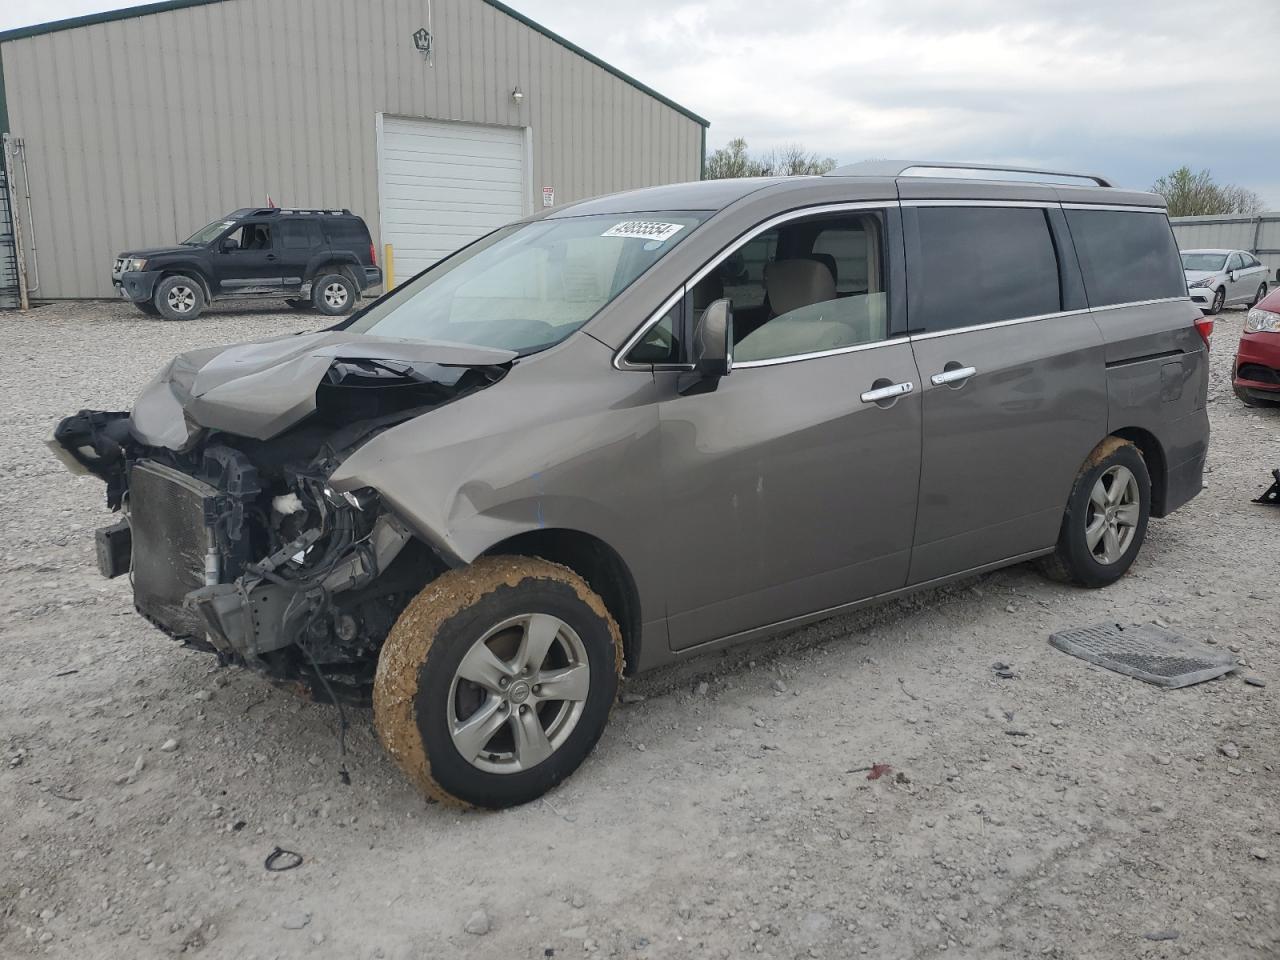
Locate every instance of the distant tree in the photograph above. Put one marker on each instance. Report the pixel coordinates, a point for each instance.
(1190, 194)
(732, 160)
(792, 160)
(1241, 200)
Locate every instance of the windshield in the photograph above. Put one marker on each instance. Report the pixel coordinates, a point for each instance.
(207, 234)
(1204, 261)
(528, 286)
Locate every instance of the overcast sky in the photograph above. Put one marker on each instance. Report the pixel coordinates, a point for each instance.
(1129, 88)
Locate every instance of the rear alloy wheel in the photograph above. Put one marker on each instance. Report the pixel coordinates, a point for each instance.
(497, 681)
(1262, 292)
(1106, 518)
(334, 294)
(1219, 298)
(179, 298)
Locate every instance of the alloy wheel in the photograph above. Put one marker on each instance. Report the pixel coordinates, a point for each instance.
(1111, 520)
(1219, 299)
(518, 693)
(181, 299)
(335, 295)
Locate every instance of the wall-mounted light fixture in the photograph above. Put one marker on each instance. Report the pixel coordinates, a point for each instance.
(517, 96)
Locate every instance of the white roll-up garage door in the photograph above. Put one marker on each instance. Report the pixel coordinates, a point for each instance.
(443, 184)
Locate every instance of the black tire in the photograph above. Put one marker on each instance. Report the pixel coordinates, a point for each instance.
(328, 299)
(179, 298)
(1219, 298)
(300, 304)
(418, 691)
(1262, 292)
(148, 308)
(1074, 560)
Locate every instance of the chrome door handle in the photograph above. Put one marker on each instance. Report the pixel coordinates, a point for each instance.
(888, 393)
(952, 376)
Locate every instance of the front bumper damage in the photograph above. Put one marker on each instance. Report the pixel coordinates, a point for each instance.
(236, 541)
(260, 613)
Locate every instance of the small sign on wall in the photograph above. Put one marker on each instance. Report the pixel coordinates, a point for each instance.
(548, 196)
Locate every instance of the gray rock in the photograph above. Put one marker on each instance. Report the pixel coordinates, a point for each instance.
(295, 921)
(701, 689)
(1229, 750)
(1258, 853)
(578, 902)
(633, 698)
(204, 696)
(813, 926)
(1161, 935)
(169, 745)
(477, 924)
(779, 686)
(1255, 681)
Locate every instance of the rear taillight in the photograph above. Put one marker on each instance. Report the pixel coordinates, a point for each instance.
(1204, 327)
(373, 259)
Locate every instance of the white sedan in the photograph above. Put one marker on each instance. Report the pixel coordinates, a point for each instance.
(1220, 278)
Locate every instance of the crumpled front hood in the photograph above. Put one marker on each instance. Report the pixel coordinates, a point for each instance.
(262, 388)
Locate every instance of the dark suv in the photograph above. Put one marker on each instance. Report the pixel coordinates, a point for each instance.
(322, 259)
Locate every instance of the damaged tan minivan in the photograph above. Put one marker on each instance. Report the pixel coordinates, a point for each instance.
(646, 425)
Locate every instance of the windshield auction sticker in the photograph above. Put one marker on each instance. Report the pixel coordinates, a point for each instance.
(644, 230)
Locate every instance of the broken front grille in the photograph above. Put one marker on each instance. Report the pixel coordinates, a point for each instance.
(167, 511)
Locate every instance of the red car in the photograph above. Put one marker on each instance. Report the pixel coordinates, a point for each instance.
(1256, 372)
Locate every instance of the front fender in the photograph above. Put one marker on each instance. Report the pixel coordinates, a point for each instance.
(556, 444)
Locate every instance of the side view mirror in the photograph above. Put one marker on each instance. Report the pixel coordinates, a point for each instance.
(1231, 275)
(230, 244)
(713, 341)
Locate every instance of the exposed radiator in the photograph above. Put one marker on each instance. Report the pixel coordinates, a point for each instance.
(167, 510)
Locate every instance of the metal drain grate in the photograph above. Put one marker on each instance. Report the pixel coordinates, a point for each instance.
(1145, 651)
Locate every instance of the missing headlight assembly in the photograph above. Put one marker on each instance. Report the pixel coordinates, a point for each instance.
(238, 543)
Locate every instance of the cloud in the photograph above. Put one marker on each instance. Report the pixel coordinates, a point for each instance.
(1132, 88)
(1128, 88)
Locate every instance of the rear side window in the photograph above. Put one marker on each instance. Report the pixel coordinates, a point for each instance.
(983, 265)
(1126, 257)
(299, 234)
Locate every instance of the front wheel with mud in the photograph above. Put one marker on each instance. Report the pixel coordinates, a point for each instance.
(497, 681)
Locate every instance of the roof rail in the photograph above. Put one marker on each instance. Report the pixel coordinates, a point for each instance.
(897, 168)
(277, 211)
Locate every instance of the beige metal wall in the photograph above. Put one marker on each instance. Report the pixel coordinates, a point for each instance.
(139, 131)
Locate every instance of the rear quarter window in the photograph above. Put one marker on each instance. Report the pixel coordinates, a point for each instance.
(1126, 256)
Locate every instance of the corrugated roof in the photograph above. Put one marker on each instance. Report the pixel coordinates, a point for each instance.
(147, 9)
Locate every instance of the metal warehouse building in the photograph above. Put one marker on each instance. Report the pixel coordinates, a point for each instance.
(436, 120)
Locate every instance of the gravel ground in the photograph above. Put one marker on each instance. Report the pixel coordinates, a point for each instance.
(1066, 812)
